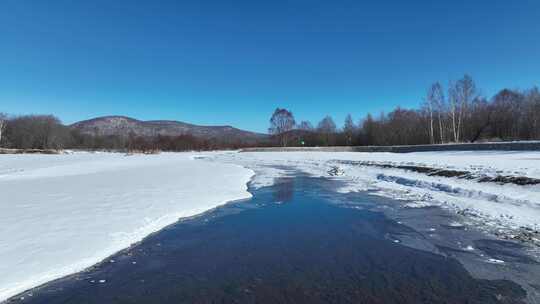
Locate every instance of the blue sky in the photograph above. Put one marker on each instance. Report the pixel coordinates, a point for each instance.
(232, 62)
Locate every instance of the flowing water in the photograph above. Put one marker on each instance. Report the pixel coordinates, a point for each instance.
(299, 241)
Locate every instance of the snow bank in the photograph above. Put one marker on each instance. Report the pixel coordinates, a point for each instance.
(62, 213)
(495, 206)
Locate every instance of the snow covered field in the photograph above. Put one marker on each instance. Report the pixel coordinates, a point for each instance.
(62, 213)
(509, 210)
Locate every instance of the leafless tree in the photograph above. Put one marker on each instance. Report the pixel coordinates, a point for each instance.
(281, 123)
(305, 126)
(508, 110)
(453, 102)
(37, 132)
(349, 129)
(368, 131)
(532, 113)
(327, 128)
(3, 122)
(406, 127)
(462, 115)
(461, 93)
(480, 119)
(467, 93)
(435, 99)
(428, 105)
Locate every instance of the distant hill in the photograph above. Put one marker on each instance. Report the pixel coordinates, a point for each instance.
(124, 126)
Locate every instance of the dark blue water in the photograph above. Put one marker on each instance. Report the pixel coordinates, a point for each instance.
(290, 243)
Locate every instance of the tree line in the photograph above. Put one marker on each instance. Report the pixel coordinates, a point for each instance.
(46, 132)
(456, 114)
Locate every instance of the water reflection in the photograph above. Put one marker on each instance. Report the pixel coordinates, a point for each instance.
(284, 190)
(307, 250)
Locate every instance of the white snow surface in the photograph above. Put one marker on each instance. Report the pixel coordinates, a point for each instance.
(60, 214)
(494, 206)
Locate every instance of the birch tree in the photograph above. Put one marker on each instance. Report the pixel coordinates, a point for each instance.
(452, 100)
(435, 99)
(464, 93)
(461, 94)
(428, 104)
(3, 122)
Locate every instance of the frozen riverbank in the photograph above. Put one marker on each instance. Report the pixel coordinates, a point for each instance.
(299, 241)
(509, 210)
(62, 213)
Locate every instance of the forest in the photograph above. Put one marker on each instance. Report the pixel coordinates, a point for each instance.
(455, 114)
(46, 132)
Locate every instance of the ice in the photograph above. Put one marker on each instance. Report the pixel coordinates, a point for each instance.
(62, 213)
(489, 205)
(495, 261)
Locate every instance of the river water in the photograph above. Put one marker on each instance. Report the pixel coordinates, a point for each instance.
(299, 241)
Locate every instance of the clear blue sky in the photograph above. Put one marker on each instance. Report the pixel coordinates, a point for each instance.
(232, 62)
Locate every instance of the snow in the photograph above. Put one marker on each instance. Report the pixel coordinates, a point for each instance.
(63, 213)
(495, 261)
(469, 248)
(491, 205)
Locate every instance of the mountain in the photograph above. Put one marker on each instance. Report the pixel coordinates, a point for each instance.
(124, 126)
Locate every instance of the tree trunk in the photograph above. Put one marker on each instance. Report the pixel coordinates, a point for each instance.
(453, 113)
(431, 138)
(441, 128)
(460, 114)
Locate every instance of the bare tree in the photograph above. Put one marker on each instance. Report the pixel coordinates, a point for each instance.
(481, 112)
(435, 99)
(368, 130)
(405, 127)
(3, 122)
(349, 129)
(37, 132)
(281, 123)
(461, 95)
(305, 126)
(327, 128)
(532, 113)
(452, 100)
(428, 105)
(508, 112)
(468, 93)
